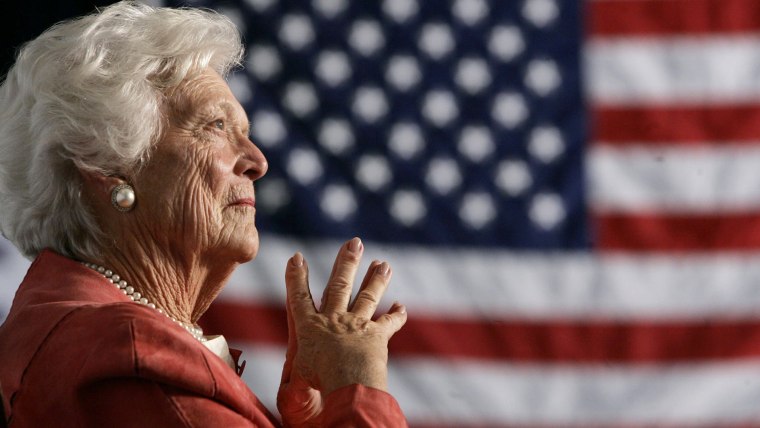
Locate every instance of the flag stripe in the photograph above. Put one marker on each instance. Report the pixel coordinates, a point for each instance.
(534, 286)
(605, 395)
(624, 18)
(436, 392)
(678, 233)
(671, 179)
(673, 71)
(523, 341)
(677, 125)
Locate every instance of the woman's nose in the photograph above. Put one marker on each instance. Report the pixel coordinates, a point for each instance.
(252, 162)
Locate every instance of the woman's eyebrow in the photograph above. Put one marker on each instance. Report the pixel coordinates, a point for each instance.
(229, 109)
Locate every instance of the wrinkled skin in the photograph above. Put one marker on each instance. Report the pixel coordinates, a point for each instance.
(193, 223)
(201, 171)
(193, 220)
(338, 344)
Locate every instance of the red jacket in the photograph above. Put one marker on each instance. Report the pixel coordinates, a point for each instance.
(75, 351)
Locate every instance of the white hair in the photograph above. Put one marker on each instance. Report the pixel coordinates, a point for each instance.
(90, 94)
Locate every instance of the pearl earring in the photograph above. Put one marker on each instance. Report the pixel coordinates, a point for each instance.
(123, 197)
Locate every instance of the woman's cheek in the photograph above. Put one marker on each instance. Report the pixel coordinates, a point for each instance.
(190, 206)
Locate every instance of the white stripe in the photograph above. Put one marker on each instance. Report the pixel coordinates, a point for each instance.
(471, 283)
(691, 180)
(676, 70)
(467, 393)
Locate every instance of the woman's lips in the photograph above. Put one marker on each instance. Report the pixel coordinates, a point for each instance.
(246, 202)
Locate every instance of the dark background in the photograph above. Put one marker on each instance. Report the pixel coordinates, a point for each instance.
(22, 21)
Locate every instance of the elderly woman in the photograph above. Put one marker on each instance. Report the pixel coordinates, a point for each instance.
(126, 173)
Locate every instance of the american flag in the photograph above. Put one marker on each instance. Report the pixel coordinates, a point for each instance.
(568, 193)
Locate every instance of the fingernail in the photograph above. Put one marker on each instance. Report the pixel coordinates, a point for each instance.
(383, 269)
(297, 260)
(399, 307)
(355, 245)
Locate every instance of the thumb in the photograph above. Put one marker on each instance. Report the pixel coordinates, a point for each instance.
(292, 349)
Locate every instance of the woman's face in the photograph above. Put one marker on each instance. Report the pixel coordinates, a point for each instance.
(196, 189)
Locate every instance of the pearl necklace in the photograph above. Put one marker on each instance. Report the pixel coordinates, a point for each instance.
(130, 291)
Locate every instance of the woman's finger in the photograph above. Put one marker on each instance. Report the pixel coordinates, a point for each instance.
(338, 290)
(290, 354)
(298, 297)
(393, 320)
(365, 281)
(369, 295)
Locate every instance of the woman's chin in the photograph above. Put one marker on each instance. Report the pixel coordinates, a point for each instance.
(247, 247)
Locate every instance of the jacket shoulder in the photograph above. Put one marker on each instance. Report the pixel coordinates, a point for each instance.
(130, 340)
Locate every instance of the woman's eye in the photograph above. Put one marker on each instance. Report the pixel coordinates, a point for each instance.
(219, 124)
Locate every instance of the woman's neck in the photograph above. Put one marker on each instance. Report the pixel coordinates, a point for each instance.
(181, 282)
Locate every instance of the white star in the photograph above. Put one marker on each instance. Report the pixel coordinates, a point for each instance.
(470, 12)
(366, 37)
(436, 40)
(443, 175)
(300, 98)
(329, 9)
(400, 11)
(475, 143)
(374, 172)
(333, 67)
(506, 42)
(260, 5)
(546, 143)
(540, 12)
(407, 207)
(406, 140)
(547, 210)
(477, 209)
(296, 31)
(336, 136)
(304, 166)
(509, 109)
(472, 75)
(513, 177)
(370, 104)
(403, 72)
(440, 107)
(263, 61)
(338, 202)
(267, 128)
(272, 194)
(542, 76)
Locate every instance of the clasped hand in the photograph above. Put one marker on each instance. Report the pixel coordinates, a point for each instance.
(338, 344)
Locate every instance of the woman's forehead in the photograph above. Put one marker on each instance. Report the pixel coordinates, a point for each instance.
(202, 92)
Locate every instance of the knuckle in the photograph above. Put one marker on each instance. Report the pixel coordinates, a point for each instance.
(351, 257)
(318, 320)
(301, 295)
(338, 293)
(367, 297)
(340, 284)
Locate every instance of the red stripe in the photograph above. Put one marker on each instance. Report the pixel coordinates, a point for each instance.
(663, 232)
(523, 341)
(680, 125)
(672, 17)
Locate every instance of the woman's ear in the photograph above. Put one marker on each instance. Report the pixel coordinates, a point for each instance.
(100, 183)
(102, 188)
